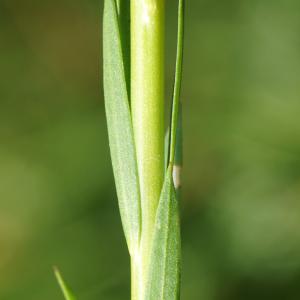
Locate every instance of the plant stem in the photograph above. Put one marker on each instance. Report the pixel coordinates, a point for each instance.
(147, 105)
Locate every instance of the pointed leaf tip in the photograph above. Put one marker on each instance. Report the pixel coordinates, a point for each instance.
(65, 290)
(164, 271)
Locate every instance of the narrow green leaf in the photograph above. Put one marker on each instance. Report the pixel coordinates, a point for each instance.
(167, 146)
(177, 82)
(65, 290)
(123, 8)
(164, 272)
(120, 130)
(177, 167)
(178, 149)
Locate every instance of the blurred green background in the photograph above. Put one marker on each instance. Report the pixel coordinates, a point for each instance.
(241, 203)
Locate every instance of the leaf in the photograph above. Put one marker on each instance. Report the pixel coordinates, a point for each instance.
(120, 130)
(177, 167)
(177, 84)
(65, 290)
(164, 271)
(178, 149)
(167, 147)
(163, 282)
(123, 8)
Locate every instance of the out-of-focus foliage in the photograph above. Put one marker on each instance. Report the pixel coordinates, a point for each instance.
(241, 208)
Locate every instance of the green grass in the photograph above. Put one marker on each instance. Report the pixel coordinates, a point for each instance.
(241, 162)
(146, 193)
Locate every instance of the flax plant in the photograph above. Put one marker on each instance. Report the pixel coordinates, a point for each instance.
(146, 165)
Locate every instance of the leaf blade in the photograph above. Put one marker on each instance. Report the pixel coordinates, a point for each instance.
(65, 290)
(120, 130)
(123, 8)
(177, 166)
(177, 82)
(164, 271)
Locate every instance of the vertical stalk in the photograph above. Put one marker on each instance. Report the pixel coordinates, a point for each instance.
(147, 105)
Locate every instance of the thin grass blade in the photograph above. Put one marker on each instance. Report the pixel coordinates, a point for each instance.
(65, 290)
(177, 167)
(178, 160)
(120, 130)
(123, 8)
(177, 83)
(167, 146)
(164, 271)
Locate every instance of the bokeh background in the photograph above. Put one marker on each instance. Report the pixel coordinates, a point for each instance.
(241, 203)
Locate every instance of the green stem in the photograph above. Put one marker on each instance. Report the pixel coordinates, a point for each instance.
(147, 104)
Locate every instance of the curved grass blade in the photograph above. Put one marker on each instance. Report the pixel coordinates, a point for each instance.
(120, 130)
(65, 290)
(164, 271)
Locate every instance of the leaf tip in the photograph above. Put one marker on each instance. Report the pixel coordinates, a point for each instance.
(65, 290)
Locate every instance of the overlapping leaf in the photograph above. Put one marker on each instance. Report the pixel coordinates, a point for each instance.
(164, 270)
(163, 282)
(119, 124)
